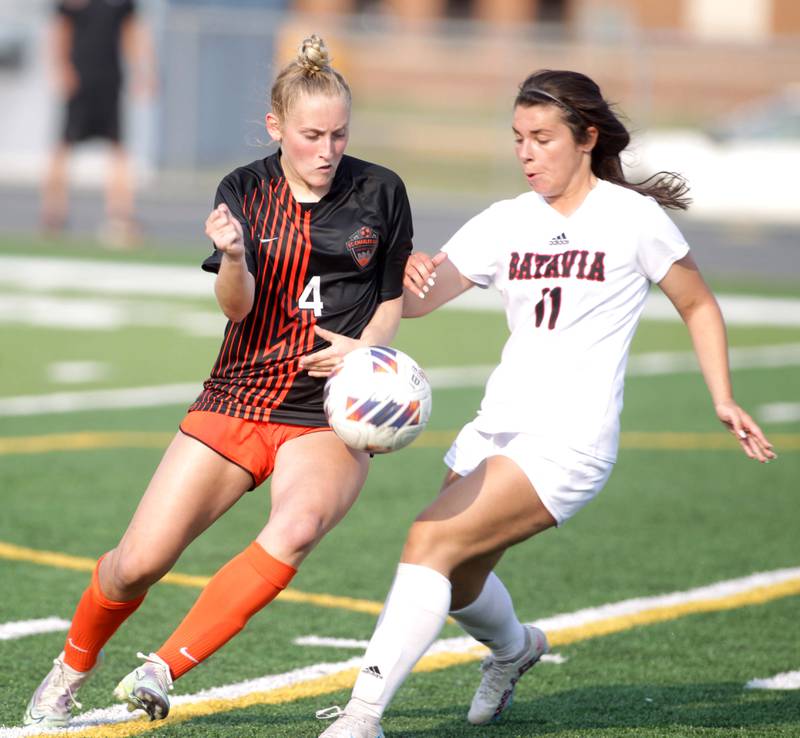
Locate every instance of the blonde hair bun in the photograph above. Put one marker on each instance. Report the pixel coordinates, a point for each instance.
(313, 55)
(309, 74)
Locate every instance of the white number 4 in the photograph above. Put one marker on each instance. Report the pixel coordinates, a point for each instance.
(311, 299)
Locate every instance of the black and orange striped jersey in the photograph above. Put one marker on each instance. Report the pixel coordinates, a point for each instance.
(329, 263)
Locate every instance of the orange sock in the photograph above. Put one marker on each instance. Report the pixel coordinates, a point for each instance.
(235, 593)
(96, 619)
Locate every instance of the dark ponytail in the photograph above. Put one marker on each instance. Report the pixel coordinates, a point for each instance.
(582, 105)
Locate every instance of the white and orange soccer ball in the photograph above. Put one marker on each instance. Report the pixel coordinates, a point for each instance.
(378, 399)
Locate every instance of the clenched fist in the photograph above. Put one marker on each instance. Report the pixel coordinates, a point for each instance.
(225, 231)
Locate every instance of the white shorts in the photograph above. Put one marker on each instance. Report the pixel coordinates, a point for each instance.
(564, 479)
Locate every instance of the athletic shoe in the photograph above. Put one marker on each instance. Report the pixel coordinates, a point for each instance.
(52, 703)
(349, 726)
(496, 690)
(146, 688)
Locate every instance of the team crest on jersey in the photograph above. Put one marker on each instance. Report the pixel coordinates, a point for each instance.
(362, 245)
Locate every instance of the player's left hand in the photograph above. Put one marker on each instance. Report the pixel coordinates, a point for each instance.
(751, 438)
(322, 363)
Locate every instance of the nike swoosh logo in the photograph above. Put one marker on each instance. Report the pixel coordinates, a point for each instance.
(77, 648)
(267, 240)
(185, 652)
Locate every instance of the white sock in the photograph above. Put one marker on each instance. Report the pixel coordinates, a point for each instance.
(412, 617)
(491, 620)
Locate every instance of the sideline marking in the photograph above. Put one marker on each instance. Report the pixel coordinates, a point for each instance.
(442, 377)
(784, 680)
(22, 628)
(42, 274)
(638, 440)
(353, 643)
(779, 412)
(116, 722)
(13, 552)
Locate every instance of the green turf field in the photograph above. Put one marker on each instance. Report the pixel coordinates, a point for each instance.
(683, 509)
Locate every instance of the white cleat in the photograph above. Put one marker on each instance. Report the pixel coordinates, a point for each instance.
(496, 690)
(147, 687)
(52, 702)
(349, 726)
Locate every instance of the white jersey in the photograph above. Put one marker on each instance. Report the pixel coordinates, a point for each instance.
(574, 288)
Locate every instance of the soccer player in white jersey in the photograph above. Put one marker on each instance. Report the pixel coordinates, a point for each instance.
(573, 260)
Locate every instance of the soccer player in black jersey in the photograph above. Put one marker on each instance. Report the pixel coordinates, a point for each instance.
(310, 248)
(88, 43)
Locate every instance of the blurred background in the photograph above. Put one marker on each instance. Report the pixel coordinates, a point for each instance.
(710, 89)
(104, 342)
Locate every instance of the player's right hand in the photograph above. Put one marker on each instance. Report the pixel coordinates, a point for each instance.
(225, 231)
(420, 273)
(751, 438)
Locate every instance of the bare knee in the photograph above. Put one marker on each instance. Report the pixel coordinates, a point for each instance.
(292, 537)
(125, 575)
(426, 545)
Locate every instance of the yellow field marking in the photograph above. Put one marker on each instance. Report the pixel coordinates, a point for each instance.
(13, 552)
(666, 441)
(642, 441)
(83, 441)
(345, 679)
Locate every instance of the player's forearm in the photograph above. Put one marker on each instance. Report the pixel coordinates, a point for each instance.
(383, 326)
(707, 330)
(435, 290)
(235, 288)
(415, 306)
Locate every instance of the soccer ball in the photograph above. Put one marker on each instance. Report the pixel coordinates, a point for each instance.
(378, 399)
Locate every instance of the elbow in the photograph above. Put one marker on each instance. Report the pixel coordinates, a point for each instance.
(706, 305)
(236, 311)
(235, 317)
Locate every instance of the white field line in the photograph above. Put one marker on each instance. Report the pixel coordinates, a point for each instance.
(779, 412)
(108, 314)
(22, 628)
(737, 309)
(44, 274)
(77, 372)
(119, 713)
(314, 640)
(352, 643)
(70, 402)
(650, 364)
(785, 680)
(551, 625)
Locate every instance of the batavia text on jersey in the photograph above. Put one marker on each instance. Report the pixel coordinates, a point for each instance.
(574, 263)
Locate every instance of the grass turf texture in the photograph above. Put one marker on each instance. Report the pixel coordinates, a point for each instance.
(668, 520)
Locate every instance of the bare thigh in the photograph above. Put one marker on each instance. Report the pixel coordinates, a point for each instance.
(468, 579)
(191, 488)
(316, 481)
(475, 518)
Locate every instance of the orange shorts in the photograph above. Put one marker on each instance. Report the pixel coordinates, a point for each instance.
(250, 444)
